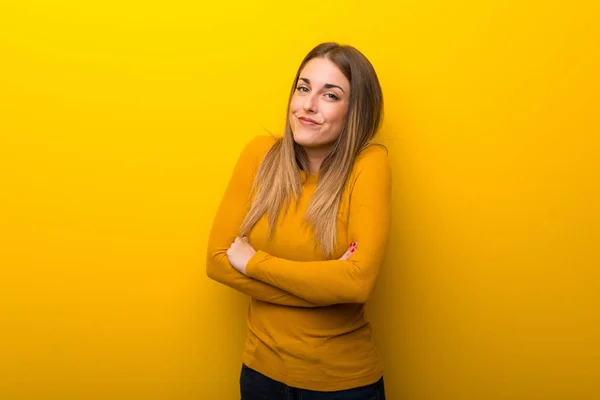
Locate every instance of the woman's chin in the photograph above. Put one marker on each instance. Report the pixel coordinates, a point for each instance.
(306, 139)
(302, 139)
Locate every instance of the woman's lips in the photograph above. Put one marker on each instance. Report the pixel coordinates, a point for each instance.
(307, 121)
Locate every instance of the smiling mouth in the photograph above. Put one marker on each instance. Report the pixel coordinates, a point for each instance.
(308, 121)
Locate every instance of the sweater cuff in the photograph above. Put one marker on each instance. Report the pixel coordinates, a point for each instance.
(253, 266)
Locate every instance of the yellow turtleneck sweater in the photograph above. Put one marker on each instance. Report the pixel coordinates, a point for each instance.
(306, 322)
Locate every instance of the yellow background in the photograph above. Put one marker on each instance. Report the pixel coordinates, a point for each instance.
(119, 126)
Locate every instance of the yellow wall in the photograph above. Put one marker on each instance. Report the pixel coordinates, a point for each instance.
(120, 123)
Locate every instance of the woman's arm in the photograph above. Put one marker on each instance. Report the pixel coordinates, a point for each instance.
(229, 217)
(341, 281)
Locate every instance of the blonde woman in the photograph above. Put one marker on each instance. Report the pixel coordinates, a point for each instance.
(302, 229)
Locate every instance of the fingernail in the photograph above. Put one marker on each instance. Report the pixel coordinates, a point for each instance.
(352, 251)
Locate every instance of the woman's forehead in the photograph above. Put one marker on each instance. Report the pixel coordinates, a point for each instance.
(321, 71)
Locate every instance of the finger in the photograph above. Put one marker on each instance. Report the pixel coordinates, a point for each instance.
(348, 253)
(345, 256)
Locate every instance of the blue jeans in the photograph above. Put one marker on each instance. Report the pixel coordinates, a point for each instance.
(256, 386)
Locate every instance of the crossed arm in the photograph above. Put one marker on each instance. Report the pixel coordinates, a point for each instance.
(305, 283)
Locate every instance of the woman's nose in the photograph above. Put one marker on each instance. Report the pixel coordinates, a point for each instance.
(309, 104)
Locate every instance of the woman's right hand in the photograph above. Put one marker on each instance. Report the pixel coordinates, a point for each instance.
(350, 251)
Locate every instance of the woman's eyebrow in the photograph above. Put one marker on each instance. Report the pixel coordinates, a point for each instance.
(329, 86)
(326, 86)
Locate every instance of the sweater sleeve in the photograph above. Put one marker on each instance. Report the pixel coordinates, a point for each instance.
(342, 281)
(228, 219)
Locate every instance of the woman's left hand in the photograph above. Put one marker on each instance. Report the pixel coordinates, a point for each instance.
(239, 253)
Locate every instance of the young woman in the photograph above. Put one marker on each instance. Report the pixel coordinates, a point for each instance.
(303, 228)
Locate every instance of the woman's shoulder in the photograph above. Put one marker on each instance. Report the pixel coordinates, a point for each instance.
(373, 154)
(259, 145)
(255, 150)
(371, 169)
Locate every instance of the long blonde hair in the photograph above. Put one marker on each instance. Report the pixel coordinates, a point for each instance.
(278, 178)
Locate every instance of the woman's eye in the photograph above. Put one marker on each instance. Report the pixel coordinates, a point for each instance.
(302, 89)
(332, 96)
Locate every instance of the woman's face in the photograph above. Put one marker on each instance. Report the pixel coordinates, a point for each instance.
(319, 105)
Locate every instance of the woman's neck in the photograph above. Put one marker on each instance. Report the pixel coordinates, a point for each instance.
(315, 158)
